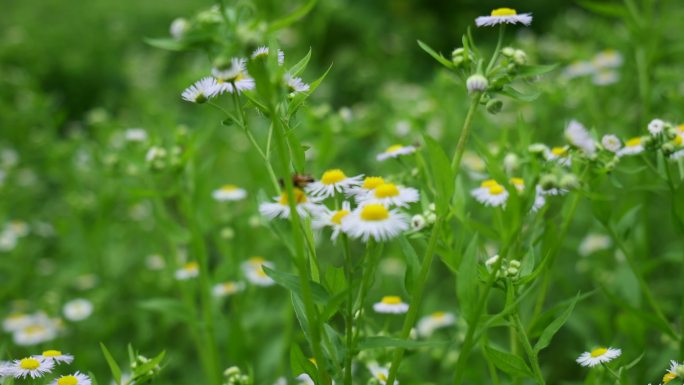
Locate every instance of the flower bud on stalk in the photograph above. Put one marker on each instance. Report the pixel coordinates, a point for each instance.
(477, 83)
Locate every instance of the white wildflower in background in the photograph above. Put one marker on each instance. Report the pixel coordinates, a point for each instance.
(229, 192)
(77, 309)
(253, 269)
(380, 373)
(135, 134)
(578, 69)
(332, 219)
(155, 262)
(375, 221)
(656, 127)
(16, 321)
(390, 305)
(475, 166)
(178, 28)
(579, 137)
(368, 185)
(594, 242)
(518, 183)
(609, 58)
(40, 329)
(490, 193)
(77, 378)
(504, 15)
(262, 52)
(295, 84)
(332, 182)
(560, 155)
(605, 77)
(226, 289)
(390, 194)
(233, 78)
(632, 146)
(201, 91)
(598, 356)
(611, 143)
(281, 208)
(396, 151)
(437, 320)
(55, 356)
(30, 367)
(189, 270)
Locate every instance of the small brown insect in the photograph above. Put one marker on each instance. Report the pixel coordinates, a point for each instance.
(298, 180)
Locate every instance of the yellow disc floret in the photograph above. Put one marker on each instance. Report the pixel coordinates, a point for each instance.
(372, 182)
(374, 212)
(299, 195)
(386, 190)
(504, 12)
(391, 300)
(29, 363)
(67, 380)
(333, 176)
(394, 148)
(337, 217)
(191, 266)
(517, 181)
(496, 189)
(598, 352)
(633, 142)
(488, 183)
(438, 314)
(559, 151)
(52, 353)
(256, 260)
(669, 376)
(229, 187)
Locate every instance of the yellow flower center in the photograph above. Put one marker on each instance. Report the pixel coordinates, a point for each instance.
(668, 377)
(298, 194)
(34, 329)
(229, 286)
(559, 151)
(372, 182)
(633, 142)
(496, 189)
(488, 183)
(229, 187)
(191, 266)
(52, 353)
(333, 176)
(257, 260)
(337, 217)
(67, 380)
(382, 377)
(504, 12)
(29, 363)
(386, 190)
(260, 271)
(394, 148)
(680, 128)
(374, 212)
(517, 182)
(598, 352)
(438, 314)
(391, 300)
(678, 140)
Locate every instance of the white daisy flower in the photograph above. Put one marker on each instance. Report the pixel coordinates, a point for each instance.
(559, 155)
(633, 146)
(77, 309)
(395, 151)
(262, 52)
(673, 372)
(579, 137)
(30, 367)
(281, 209)
(380, 373)
(295, 84)
(605, 77)
(201, 91)
(504, 15)
(607, 59)
(677, 155)
(332, 218)
(304, 379)
(5, 369)
(611, 143)
(135, 134)
(437, 320)
(578, 69)
(594, 242)
(77, 378)
(376, 221)
(518, 183)
(474, 164)
(55, 356)
(390, 194)
(490, 193)
(368, 185)
(539, 199)
(178, 28)
(41, 329)
(16, 321)
(226, 289)
(390, 305)
(333, 181)
(253, 269)
(656, 127)
(232, 79)
(187, 271)
(598, 356)
(229, 192)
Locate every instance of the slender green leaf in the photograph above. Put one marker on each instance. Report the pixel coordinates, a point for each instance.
(468, 280)
(292, 283)
(293, 17)
(444, 61)
(382, 342)
(554, 326)
(508, 362)
(113, 366)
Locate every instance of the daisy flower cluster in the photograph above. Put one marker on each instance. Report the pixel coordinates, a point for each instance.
(364, 207)
(231, 76)
(603, 68)
(252, 268)
(32, 329)
(38, 366)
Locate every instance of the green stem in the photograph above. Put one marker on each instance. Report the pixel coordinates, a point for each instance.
(372, 250)
(495, 56)
(612, 372)
(416, 298)
(531, 356)
(349, 319)
(465, 131)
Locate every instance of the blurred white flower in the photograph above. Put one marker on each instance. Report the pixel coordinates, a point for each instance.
(437, 320)
(77, 309)
(390, 305)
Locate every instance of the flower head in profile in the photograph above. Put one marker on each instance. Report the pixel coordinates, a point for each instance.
(490, 193)
(504, 16)
(281, 207)
(233, 78)
(611, 143)
(369, 184)
(201, 91)
(380, 373)
(390, 305)
(632, 146)
(676, 370)
(579, 137)
(437, 320)
(229, 192)
(598, 356)
(77, 378)
(253, 269)
(395, 151)
(332, 182)
(262, 52)
(295, 84)
(390, 194)
(332, 219)
(374, 220)
(187, 271)
(225, 289)
(55, 356)
(518, 183)
(558, 154)
(29, 367)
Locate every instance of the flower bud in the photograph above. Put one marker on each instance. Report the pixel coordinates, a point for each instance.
(511, 162)
(668, 148)
(520, 57)
(431, 218)
(656, 126)
(512, 272)
(508, 51)
(548, 181)
(418, 222)
(537, 148)
(476, 83)
(569, 182)
(494, 106)
(514, 263)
